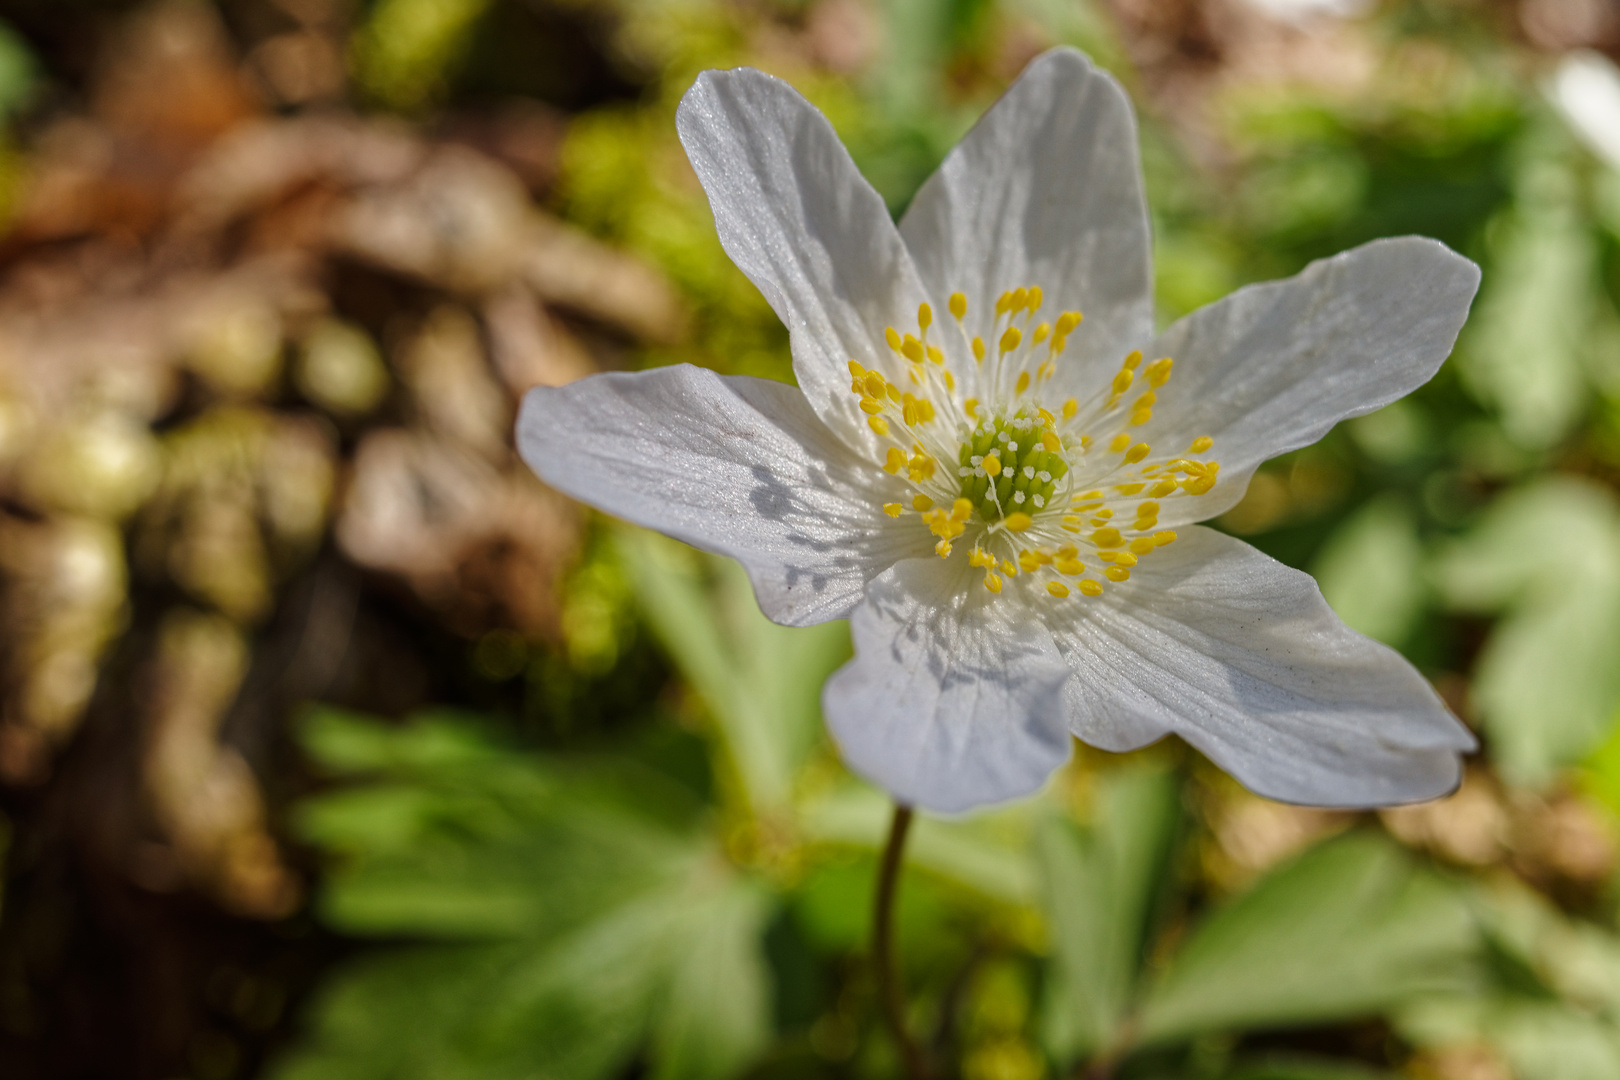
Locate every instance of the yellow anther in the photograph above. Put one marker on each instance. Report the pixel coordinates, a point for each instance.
(1070, 567)
(962, 509)
(875, 384)
(894, 393)
(1138, 452)
(1119, 443)
(978, 349)
(1142, 545)
(894, 510)
(1158, 372)
(1051, 442)
(1162, 538)
(1116, 573)
(943, 549)
(1067, 322)
(925, 410)
(992, 582)
(871, 406)
(920, 503)
(1009, 568)
(912, 349)
(958, 305)
(1132, 360)
(1085, 442)
(1107, 538)
(909, 412)
(1072, 523)
(1124, 558)
(895, 461)
(1018, 522)
(1122, 381)
(1088, 496)
(855, 368)
(1105, 513)
(971, 407)
(1057, 589)
(1010, 339)
(1068, 551)
(979, 557)
(1162, 488)
(1046, 370)
(1028, 562)
(1070, 407)
(1146, 401)
(1129, 489)
(1200, 444)
(925, 316)
(892, 336)
(1140, 417)
(1003, 302)
(1034, 300)
(1020, 297)
(1041, 332)
(1198, 485)
(1023, 383)
(950, 380)
(992, 465)
(935, 355)
(1091, 588)
(915, 374)
(1148, 509)
(1046, 418)
(878, 424)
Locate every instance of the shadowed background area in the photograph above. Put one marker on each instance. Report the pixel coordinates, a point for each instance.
(335, 746)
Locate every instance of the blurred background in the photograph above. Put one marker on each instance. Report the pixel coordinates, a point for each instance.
(333, 746)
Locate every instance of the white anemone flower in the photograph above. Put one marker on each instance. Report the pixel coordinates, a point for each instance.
(992, 463)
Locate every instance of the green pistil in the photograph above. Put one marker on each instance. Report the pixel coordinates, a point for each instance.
(1027, 468)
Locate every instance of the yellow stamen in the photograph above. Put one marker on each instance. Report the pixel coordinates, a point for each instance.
(920, 503)
(1010, 339)
(1091, 588)
(894, 510)
(1018, 522)
(925, 316)
(958, 305)
(1200, 444)
(1057, 589)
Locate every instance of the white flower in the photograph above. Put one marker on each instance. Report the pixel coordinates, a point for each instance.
(997, 494)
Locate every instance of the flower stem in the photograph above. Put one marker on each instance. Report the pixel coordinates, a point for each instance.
(888, 967)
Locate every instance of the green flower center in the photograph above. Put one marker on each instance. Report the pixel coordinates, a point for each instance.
(1011, 464)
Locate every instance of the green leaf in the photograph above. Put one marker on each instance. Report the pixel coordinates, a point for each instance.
(1539, 1038)
(988, 853)
(762, 682)
(1302, 1068)
(1370, 571)
(1524, 344)
(718, 1016)
(1546, 685)
(1099, 886)
(1348, 929)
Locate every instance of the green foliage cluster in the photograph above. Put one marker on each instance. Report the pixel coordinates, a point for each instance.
(566, 915)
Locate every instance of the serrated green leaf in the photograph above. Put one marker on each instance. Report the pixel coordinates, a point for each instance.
(1350, 928)
(762, 682)
(1545, 684)
(1099, 884)
(1370, 571)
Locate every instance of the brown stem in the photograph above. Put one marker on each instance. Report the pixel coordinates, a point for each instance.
(888, 966)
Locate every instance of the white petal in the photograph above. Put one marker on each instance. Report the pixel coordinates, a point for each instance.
(1046, 190)
(952, 701)
(1241, 657)
(796, 216)
(1272, 367)
(738, 466)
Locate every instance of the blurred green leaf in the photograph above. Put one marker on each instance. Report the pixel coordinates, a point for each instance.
(988, 852)
(1349, 928)
(19, 73)
(1100, 883)
(1300, 1068)
(1371, 571)
(596, 920)
(1524, 346)
(1546, 684)
(761, 681)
